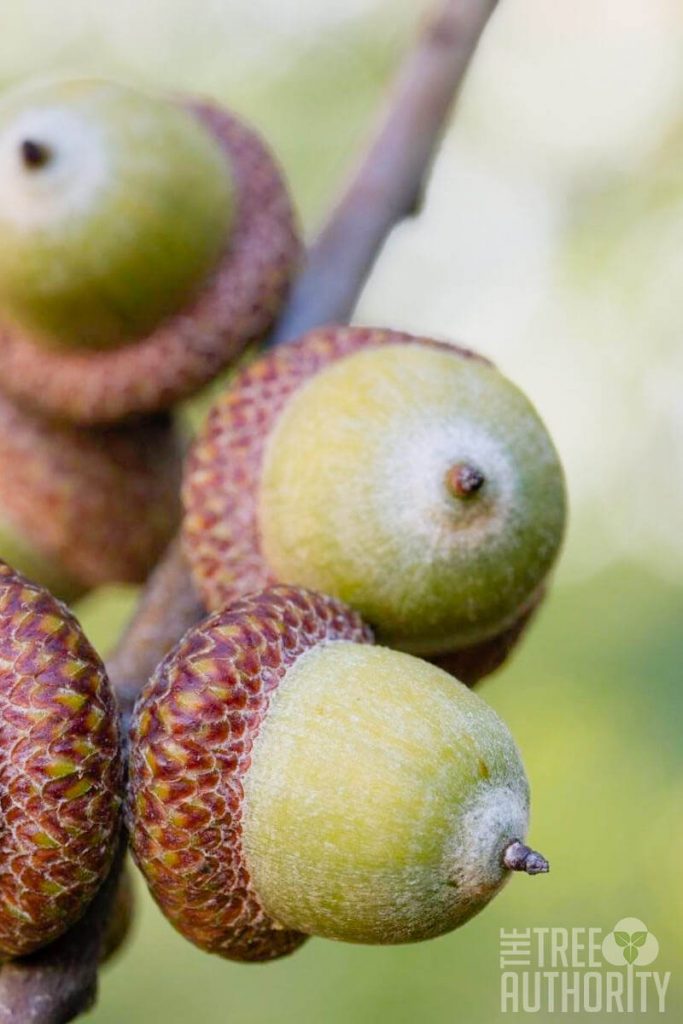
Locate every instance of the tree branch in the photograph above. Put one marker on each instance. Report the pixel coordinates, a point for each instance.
(59, 982)
(169, 605)
(56, 984)
(389, 182)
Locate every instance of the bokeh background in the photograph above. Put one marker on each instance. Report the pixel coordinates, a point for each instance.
(552, 240)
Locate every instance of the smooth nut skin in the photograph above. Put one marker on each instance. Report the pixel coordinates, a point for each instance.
(60, 767)
(236, 305)
(79, 508)
(231, 505)
(191, 740)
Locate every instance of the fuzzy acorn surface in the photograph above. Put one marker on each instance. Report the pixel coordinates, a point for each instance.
(143, 243)
(60, 764)
(289, 779)
(406, 477)
(79, 508)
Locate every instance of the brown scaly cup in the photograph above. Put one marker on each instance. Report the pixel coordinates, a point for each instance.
(135, 325)
(61, 768)
(289, 778)
(405, 476)
(81, 507)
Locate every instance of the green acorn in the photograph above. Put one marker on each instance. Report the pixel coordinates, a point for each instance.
(143, 243)
(406, 477)
(288, 779)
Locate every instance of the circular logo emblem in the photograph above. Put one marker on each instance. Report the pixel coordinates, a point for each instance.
(630, 942)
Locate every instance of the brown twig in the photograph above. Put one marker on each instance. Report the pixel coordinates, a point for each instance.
(389, 182)
(169, 605)
(57, 984)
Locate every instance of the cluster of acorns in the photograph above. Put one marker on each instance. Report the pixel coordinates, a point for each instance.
(369, 517)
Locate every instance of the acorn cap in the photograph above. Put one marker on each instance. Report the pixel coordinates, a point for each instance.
(87, 507)
(236, 305)
(61, 767)
(191, 741)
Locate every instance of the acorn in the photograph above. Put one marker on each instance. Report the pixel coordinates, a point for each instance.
(62, 772)
(287, 779)
(404, 476)
(81, 507)
(144, 241)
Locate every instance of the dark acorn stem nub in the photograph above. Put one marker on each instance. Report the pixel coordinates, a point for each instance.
(464, 480)
(35, 154)
(519, 857)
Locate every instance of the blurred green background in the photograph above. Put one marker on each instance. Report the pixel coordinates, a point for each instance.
(552, 240)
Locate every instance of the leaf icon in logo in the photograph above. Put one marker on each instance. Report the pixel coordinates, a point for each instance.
(630, 954)
(630, 943)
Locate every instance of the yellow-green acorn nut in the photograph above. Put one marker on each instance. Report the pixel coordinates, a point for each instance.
(289, 779)
(408, 478)
(114, 206)
(144, 242)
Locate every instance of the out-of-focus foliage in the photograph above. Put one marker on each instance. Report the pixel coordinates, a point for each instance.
(552, 240)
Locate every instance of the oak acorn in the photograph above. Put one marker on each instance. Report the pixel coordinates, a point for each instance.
(404, 476)
(287, 778)
(144, 242)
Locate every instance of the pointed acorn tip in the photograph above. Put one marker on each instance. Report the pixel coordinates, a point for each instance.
(34, 154)
(519, 857)
(464, 480)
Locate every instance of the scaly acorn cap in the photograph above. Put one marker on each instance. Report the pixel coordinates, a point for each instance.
(234, 304)
(253, 517)
(287, 778)
(80, 507)
(62, 772)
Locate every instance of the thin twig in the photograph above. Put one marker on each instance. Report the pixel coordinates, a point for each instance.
(59, 982)
(169, 605)
(389, 183)
(54, 986)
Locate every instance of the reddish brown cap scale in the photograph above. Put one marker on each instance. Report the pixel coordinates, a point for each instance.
(236, 306)
(60, 768)
(191, 741)
(103, 504)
